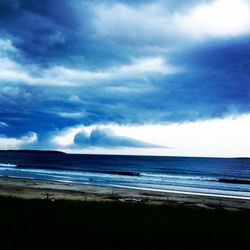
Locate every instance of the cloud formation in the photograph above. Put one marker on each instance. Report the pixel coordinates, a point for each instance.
(14, 143)
(221, 18)
(157, 23)
(121, 62)
(6, 46)
(11, 71)
(106, 138)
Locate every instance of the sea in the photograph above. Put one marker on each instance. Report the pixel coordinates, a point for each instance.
(222, 177)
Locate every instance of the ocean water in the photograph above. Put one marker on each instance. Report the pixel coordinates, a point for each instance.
(175, 174)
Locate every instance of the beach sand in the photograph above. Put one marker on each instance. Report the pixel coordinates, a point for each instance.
(40, 189)
(93, 217)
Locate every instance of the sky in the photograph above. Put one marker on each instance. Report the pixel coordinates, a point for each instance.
(164, 77)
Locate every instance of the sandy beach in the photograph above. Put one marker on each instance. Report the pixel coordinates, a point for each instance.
(40, 189)
(52, 215)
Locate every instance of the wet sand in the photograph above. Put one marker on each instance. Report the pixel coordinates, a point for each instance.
(39, 189)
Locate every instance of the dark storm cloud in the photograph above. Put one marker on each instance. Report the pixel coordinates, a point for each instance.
(45, 31)
(65, 63)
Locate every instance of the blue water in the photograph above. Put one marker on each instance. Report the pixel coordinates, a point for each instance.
(181, 174)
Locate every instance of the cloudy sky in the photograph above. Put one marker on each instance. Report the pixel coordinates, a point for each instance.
(164, 77)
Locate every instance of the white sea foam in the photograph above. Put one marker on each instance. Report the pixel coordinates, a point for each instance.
(182, 177)
(240, 195)
(7, 165)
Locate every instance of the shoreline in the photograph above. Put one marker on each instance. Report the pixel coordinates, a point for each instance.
(39, 189)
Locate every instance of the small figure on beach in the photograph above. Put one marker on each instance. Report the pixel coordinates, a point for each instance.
(48, 195)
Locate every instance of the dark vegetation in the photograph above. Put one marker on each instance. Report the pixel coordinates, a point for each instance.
(43, 224)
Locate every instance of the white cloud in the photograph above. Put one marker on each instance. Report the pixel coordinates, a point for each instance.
(228, 137)
(6, 46)
(145, 66)
(133, 22)
(3, 124)
(11, 71)
(70, 114)
(14, 143)
(137, 68)
(65, 138)
(75, 99)
(142, 68)
(221, 18)
(155, 23)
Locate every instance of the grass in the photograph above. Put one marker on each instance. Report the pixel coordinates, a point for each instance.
(42, 224)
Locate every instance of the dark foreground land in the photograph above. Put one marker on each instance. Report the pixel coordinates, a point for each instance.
(66, 224)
